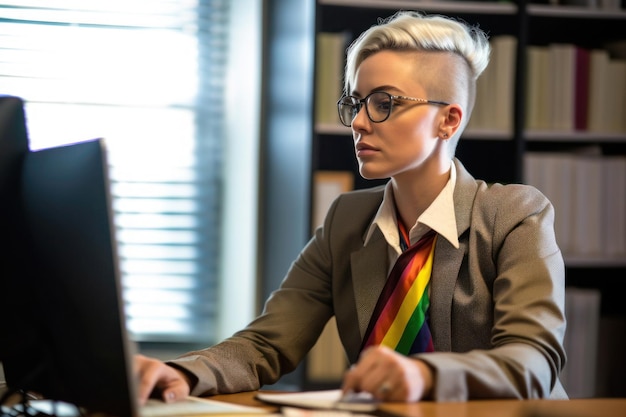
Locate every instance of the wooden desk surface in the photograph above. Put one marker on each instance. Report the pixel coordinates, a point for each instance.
(592, 407)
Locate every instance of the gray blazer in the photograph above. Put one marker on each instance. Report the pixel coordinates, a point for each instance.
(497, 302)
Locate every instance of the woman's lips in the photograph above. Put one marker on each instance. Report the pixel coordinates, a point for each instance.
(363, 149)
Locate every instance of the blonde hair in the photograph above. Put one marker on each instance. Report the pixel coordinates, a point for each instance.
(413, 31)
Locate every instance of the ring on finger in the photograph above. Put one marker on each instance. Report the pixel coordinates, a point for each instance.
(384, 388)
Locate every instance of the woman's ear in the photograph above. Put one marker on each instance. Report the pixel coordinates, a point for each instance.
(452, 117)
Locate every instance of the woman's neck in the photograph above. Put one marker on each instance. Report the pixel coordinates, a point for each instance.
(413, 194)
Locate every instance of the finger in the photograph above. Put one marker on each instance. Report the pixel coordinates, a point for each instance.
(384, 390)
(367, 373)
(350, 381)
(147, 374)
(175, 390)
(384, 376)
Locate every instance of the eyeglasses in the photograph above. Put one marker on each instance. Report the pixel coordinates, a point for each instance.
(378, 106)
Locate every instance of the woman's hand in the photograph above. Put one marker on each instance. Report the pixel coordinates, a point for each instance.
(389, 376)
(155, 376)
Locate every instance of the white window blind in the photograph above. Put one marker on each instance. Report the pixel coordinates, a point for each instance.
(148, 76)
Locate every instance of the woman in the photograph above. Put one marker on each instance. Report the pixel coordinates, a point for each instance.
(492, 322)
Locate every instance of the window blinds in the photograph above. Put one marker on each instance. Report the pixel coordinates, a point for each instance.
(148, 76)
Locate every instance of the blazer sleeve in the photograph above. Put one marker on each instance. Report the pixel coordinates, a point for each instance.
(273, 343)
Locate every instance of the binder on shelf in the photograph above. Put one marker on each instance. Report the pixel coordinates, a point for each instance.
(587, 207)
(483, 109)
(581, 86)
(329, 67)
(504, 51)
(562, 73)
(617, 98)
(599, 91)
(582, 311)
(537, 86)
(614, 218)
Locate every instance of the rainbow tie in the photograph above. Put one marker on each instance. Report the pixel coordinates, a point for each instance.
(400, 318)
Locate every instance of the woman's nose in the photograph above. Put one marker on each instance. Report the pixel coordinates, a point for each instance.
(361, 120)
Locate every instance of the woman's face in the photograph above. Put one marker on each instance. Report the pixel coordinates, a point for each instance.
(402, 144)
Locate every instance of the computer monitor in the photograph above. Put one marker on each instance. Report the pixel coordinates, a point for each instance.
(13, 142)
(64, 281)
(68, 214)
(18, 324)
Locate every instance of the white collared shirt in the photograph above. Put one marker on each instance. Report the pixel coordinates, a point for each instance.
(439, 216)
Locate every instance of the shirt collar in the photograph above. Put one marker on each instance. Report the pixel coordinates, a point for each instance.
(439, 216)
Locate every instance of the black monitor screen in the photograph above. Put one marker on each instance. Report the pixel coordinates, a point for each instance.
(74, 280)
(19, 325)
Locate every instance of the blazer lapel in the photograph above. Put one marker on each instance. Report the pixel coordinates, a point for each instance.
(369, 273)
(446, 266)
(448, 260)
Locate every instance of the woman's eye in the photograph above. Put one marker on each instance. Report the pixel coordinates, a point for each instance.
(383, 105)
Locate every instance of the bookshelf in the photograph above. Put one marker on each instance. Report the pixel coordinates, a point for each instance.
(506, 141)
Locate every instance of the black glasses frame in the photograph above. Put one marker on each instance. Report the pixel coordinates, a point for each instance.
(357, 103)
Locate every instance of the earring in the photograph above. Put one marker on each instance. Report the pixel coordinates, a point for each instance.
(444, 135)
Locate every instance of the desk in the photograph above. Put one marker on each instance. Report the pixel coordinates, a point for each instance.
(592, 407)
